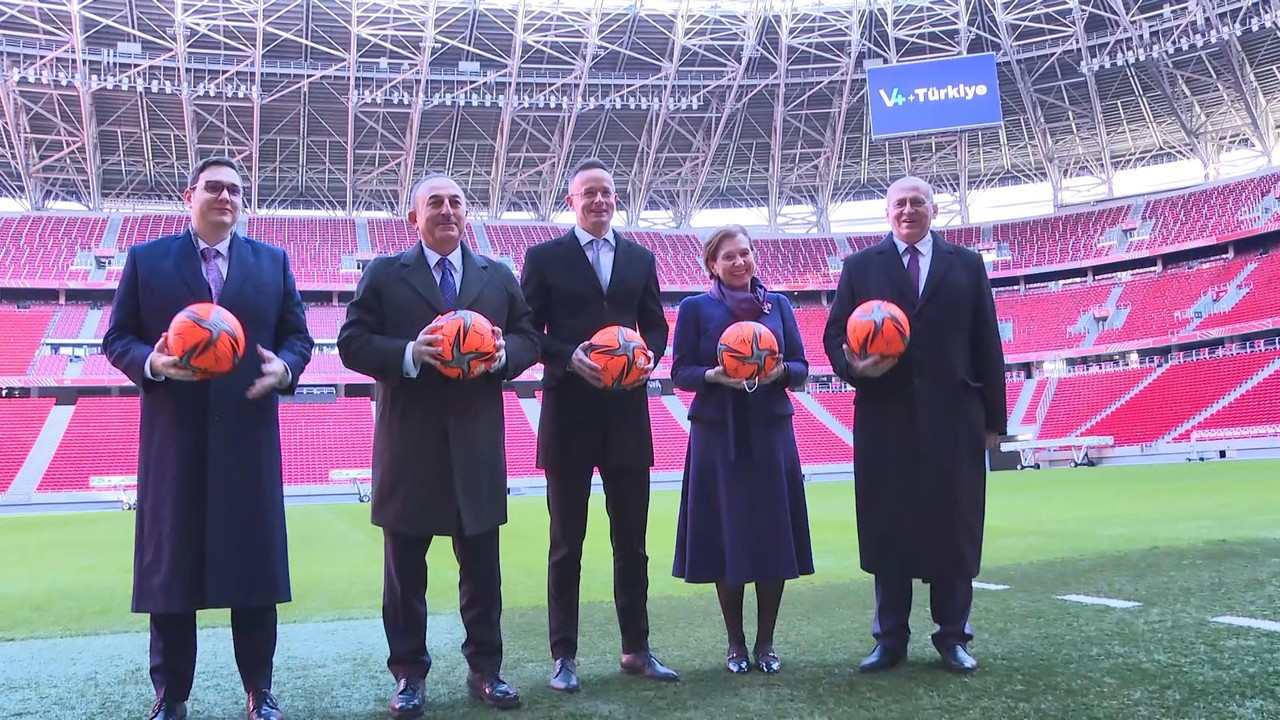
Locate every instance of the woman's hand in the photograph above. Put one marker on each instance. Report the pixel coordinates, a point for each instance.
(774, 375)
(717, 375)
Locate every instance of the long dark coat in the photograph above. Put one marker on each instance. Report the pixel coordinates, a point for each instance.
(582, 425)
(743, 516)
(438, 443)
(210, 527)
(919, 453)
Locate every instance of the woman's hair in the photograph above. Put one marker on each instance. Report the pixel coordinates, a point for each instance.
(711, 248)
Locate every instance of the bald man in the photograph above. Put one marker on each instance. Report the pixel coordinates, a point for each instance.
(922, 424)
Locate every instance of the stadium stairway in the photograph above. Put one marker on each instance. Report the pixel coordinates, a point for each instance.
(678, 410)
(113, 232)
(1239, 390)
(825, 417)
(1019, 410)
(363, 244)
(1123, 399)
(532, 411)
(41, 455)
(1235, 293)
(1042, 408)
(1092, 327)
(483, 246)
(91, 320)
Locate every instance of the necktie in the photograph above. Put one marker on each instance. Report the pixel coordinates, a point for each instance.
(598, 266)
(212, 272)
(913, 267)
(448, 290)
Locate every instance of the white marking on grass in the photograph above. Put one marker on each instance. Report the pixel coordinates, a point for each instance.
(1109, 602)
(1269, 625)
(989, 586)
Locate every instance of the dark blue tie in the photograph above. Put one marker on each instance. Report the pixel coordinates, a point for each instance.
(448, 290)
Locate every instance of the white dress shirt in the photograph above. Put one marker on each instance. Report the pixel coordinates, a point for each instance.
(411, 368)
(925, 246)
(606, 250)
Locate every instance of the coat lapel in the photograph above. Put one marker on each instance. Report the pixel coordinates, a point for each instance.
(414, 269)
(938, 267)
(190, 269)
(622, 252)
(475, 273)
(237, 268)
(896, 270)
(576, 259)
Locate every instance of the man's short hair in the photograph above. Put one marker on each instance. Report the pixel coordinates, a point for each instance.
(205, 164)
(433, 175)
(591, 163)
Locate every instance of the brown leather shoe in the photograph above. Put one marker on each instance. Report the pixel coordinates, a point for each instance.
(647, 665)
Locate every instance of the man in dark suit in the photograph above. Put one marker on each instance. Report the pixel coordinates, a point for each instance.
(922, 424)
(210, 523)
(439, 467)
(589, 279)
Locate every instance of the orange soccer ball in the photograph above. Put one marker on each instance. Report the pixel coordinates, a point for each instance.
(468, 343)
(621, 354)
(748, 351)
(207, 339)
(878, 327)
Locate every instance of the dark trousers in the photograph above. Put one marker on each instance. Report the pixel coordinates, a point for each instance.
(626, 493)
(173, 650)
(950, 599)
(404, 602)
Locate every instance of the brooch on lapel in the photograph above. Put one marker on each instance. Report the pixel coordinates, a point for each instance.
(767, 307)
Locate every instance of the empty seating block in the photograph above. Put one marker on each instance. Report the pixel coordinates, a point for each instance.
(1257, 408)
(1043, 319)
(1180, 392)
(42, 248)
(1261, 300)
(1204, 213)
(520, 438)
(391, 236)
(805, 260)
(68, 321)
(513, 241)
(1058, 239)
(22, 420)
(315, 246)
(25, 332)
(317, 438)
(101, 439)
(324, 321)
(50, 365)
(141, 228)
(670, 441)
(1079, 397)
(817, 443)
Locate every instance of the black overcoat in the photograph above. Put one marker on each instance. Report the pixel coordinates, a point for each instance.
(438, 444)
(210, 527)
(919, 453)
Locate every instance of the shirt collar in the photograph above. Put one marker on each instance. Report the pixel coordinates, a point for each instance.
(586, 238)
(433, 257)
(925, 246)
(221, 247)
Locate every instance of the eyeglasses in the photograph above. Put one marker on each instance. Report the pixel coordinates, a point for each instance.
(603, 194)
(216, 187)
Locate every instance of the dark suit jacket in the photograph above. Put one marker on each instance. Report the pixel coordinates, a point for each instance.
(210, 523)
(582, 425)
(439, 444)
(919, 457)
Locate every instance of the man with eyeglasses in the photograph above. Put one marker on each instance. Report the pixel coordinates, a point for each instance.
(592, 278)
(922, 425)
(210, 521)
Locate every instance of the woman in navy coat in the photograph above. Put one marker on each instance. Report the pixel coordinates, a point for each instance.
(742, 508)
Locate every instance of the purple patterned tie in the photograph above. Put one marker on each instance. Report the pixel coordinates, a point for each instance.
(913, 267)
(211, 270)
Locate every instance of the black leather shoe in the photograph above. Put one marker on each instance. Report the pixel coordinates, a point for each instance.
(408, 701)
(493, 691)
(564, 676)
(263, 706)
(164, 710)
(956, 659)
(881, 658)
(646, 665)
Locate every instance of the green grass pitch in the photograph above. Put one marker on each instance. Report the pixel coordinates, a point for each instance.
(1188, 541)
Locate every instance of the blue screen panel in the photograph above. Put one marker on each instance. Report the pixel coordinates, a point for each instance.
(934, 95)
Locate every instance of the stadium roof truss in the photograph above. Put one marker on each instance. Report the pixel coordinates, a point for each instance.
(337, 106)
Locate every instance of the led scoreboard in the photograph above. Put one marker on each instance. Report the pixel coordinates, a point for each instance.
(933, 95)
